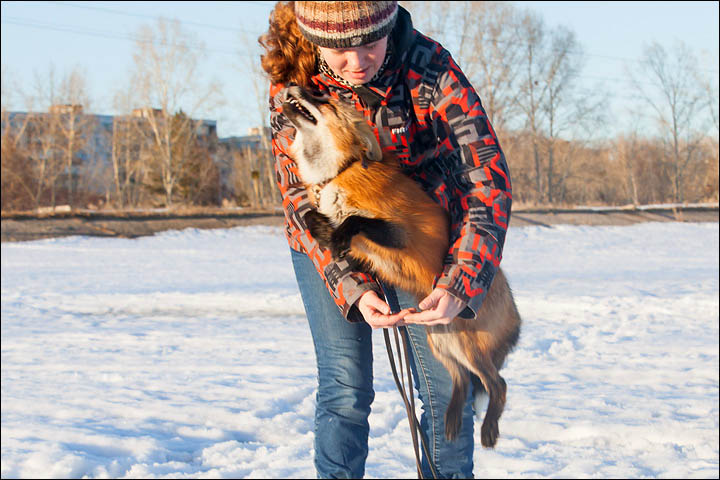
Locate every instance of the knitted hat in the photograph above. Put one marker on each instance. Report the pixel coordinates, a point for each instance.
(345, 24)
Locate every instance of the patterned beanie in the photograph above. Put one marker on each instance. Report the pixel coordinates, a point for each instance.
(345, 24)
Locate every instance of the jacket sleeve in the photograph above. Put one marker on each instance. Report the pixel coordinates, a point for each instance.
(477, 183)
(345, 285)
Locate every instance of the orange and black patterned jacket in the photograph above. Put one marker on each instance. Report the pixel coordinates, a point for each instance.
(425, 111)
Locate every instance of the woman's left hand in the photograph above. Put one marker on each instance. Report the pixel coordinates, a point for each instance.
(438, 308)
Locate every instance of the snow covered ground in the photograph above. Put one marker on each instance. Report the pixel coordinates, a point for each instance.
(186, 354)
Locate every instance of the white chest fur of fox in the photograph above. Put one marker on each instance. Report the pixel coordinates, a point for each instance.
(370, 212)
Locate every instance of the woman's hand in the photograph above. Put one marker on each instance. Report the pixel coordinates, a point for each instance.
(377, 313)
(438, 308)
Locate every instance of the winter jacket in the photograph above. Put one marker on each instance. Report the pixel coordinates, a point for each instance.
(425, 111)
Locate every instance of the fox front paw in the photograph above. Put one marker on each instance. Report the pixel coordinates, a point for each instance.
(340, 250)
(319, 227)
(341, 239)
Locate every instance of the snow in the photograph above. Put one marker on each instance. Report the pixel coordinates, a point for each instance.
(187, 355)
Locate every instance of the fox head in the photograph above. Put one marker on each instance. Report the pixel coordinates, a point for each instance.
(330, 135)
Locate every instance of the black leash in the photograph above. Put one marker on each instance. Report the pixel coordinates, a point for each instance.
(392, 301)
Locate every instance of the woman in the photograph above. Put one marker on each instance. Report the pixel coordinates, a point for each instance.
(426, 112)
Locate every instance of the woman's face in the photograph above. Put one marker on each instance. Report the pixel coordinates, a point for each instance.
(356, 65)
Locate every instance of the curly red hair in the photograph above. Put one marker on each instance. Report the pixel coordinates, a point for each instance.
(289, 56)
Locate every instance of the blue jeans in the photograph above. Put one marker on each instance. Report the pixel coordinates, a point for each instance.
(345, 388)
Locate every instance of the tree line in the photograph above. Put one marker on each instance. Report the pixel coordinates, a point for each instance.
(156, 153)
(553, 129)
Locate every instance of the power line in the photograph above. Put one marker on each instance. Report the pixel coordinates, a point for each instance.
(140, 15)
(103, 34)
(571, 52)
(256, 34)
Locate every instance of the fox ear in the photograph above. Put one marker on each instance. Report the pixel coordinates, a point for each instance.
(372, 147)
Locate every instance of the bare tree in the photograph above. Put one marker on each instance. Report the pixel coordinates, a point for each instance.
(491, 53)
(18, 187)
(537, 61)
(710, 93)
(198, 183)
(168, 78)
(128, 149)
(627, 151)
(74, 127)
(52, 139)
(483, 38)
(497, 56)
(41, 137)
(676, 102)
(240, 176)
(563, 68)
(44, 156)
(710, 90)
(554, 109)
(127, 168)
(18, 182)
(439, 20)
(262, 161)
(531, 91)
(7, 89)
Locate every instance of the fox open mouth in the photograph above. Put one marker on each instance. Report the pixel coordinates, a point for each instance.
(296, 106)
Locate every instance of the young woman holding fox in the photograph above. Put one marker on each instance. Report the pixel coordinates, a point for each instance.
(425, 112)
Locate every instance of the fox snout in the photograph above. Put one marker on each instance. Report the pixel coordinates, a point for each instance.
(301, 106)
(305, 95)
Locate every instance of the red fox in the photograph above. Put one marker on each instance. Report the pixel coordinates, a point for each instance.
(369, 212)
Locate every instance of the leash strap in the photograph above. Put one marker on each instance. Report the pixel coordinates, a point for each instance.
(392, 301)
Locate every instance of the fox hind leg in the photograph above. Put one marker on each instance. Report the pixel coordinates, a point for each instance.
(496, 389)
(459, 376)
(454, 412)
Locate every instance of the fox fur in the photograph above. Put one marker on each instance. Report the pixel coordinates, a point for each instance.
(369, 212)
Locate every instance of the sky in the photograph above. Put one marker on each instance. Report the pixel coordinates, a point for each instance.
(98, 36)
(187, 354)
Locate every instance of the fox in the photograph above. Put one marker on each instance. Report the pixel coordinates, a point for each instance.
(370, 213)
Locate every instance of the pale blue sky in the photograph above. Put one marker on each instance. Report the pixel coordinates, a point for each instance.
(97, 36)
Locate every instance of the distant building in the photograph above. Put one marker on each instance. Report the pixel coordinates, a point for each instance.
(253, 140)
(229, 149)
(104, 123)
(242, 161)
(66, 108)
(97, 131)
